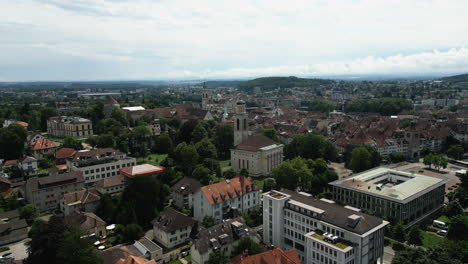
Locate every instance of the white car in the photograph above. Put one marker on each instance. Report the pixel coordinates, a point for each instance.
(5, 257)
(442, 232)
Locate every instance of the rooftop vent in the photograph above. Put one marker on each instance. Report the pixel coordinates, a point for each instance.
(353, 220)
(214, 243)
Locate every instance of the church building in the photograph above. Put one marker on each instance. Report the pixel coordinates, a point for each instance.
(257, 154)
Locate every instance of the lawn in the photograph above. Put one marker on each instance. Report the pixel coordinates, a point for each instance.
(153, 159)
(188, 258)
(175, 261)
(260, 182)
(224, 163)
(430, 239)
(444, 219)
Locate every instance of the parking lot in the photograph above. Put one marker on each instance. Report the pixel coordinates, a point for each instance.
(19, 249)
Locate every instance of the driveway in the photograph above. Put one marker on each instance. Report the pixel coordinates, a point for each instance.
(389, 253)
(19, 249)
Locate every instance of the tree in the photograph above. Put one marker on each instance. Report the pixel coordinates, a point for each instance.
(199, 133)
(229, 174)
(202, 174)
(45, 164)
(119, 116)
(360, 160)
(428, 160)
(12, 140)
(45, 241)
(163, 144)
(414, 236)
(458, 228)
(270, 133)
(440, 161)
(142, 198)
(399, 232)
(244, 172)
(107, 207)
(45, 114)
(29, 212)
(76, 250)
(37, 226)
(224, 139)
(397, 157)
(128, 233)
(206, 149)
(310, 146)
(246, 244)
(186, 157)
(424, 256)
(214, 166)
(109, 125)
(455, 152)
(268, 185)
(217, 257)
(375, 156)
(186, 130)
(453, 208)
(140, 139)
(208, 221)
(70, 142)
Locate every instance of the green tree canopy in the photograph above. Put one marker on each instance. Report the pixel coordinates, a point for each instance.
(270, 133)
(199, 133)
(415, 236)
(29, 212)
(360, 160)
(310, 146)
(76, 250)
(455, 152)
(246, 244)
(208, 221)
(163, 144)
(458, 228)
(70, 142)
(206, 149)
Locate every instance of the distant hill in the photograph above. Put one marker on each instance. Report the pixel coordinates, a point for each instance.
(217, 84)
(271, 83)
(462, 78)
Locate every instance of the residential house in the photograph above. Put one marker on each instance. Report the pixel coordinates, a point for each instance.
(43, 147)
(83, 200)
(46, 192)
(172, 228)
(63, 154)
(222, 237)
(183, 192)
(87, 221)
(28, 166)
(145, 248)
(219, 199)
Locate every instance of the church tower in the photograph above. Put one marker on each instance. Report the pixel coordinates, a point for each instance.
(241, 131)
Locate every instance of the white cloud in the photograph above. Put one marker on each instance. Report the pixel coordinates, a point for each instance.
(176, 38)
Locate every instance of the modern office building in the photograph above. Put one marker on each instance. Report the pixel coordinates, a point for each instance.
(100, 163)
(321, 231)
(403, 196)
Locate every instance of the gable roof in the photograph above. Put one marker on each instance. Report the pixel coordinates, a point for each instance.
(36, 183)
(82, 197)
(171, 220)
(44, 143)
(84, 220)
(275, 256)
(116, 180)
(229, 189)
(186, 186)
(255, 143)
(65, 153)
(135, 260)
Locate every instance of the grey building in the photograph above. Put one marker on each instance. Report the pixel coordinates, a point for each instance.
(183, 192)
(46, 192)
(403, 196)
(321, 231)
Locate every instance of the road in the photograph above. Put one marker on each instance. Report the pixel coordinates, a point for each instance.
(389, 253)
(19, 249)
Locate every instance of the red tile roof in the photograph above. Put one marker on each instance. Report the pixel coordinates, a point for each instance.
(135, 260)
(10, 162)
(274, 256)
(229, 189)
(22, 123)
(44, 143)
(64, 153)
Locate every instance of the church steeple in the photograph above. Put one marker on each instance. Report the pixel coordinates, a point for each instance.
(241, 131)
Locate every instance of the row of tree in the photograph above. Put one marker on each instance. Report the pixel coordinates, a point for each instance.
(438, 161)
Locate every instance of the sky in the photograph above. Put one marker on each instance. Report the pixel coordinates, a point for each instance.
(46, 40)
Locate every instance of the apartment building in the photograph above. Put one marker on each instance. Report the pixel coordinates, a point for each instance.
(46, 192)
(64, 126)
(172, 228)
(403, 196)
(219, 199)
(100, 163)
(321, 231)
(183, 192)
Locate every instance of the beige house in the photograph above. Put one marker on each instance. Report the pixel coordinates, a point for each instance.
(111, 185)
(259, 155)
(83, 200)
(90, 222)
(172, 228)
(46, 192)
(63, 126)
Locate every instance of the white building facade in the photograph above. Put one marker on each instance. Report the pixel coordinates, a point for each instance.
(321, 231)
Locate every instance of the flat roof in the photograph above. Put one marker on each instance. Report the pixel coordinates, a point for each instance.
(390, 184)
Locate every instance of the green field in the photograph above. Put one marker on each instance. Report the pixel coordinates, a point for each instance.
(153, 159)
(431, 240)
(444, 219)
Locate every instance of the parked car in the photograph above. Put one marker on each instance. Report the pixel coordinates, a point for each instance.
(5, 257)
(442, 232)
